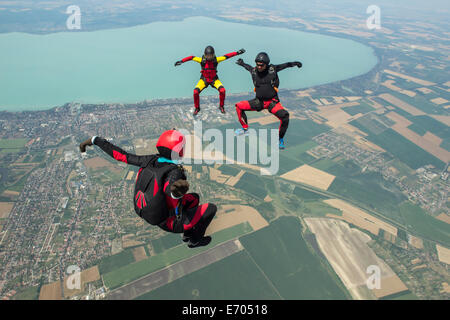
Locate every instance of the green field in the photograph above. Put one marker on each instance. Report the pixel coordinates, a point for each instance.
(402, 168)
(403, 149)
(418, 222)
(282, 254)
(10, 150)
(267, 210)
(405, 295)
(133, 271)
(370, 124)
(427, 123)
(319, 208)
(419, 101)
(343, 169)
(371, 190)
(323, 164)
(168, 241)
(361, 108)
(13, 143)
(297, 151)
(219, 280)
(307, 195)
(446, 145)
(270, 184)
(301, 131)
(18, 186)
(252, 184)
(287, 163)
(229, 170)
(31, 293)
(116, 261)
(417, 129)
(38, 156)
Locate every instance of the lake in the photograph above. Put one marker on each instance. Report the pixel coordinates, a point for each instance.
(134, 64)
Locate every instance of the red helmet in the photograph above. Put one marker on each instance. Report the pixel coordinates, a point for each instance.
(170, 144)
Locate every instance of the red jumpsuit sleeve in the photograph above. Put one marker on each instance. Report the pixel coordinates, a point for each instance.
(230, 55)
(187, 58)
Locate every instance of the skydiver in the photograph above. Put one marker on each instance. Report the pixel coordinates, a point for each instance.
(160, 194)
(266, 82)
(209, 77)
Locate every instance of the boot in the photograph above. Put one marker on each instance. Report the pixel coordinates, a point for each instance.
(204, 241)
(282, 146)
(187, 235)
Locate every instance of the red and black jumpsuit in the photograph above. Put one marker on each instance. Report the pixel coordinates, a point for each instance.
(195, 217)
(266, 89)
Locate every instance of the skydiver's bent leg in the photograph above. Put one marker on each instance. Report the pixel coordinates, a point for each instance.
(283, 116)
(199, 218)
(196, 228)
(190, 200)
(240, 110)
(193, 223)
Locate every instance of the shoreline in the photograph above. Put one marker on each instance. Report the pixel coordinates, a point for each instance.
(205, 95)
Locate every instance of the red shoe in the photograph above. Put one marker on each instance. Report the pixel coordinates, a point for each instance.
(196, 111)
(222, 109)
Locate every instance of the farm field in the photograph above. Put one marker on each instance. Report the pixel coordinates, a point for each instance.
(310, 176)
(231, 215)
(403, 149)
(204, 284)
(417, 221)
(360, 218)
(371, 190)
(12, 145)
(132, 271)
(5, 209)
(51, 291)
(348, 253)
(294, 270)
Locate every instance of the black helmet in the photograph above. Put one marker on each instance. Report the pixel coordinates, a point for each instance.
(209, 50)
(262, 57)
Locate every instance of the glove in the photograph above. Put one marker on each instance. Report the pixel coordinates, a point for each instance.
(298, 64)
(179, 188)
(239, 62)
(240, 51)
(178, 63)
(83, 145)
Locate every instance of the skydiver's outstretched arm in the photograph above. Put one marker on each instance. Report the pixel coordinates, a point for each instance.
(244, 65)
(119, 154)
(283, 66)
(196, 59)
(230, 55)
